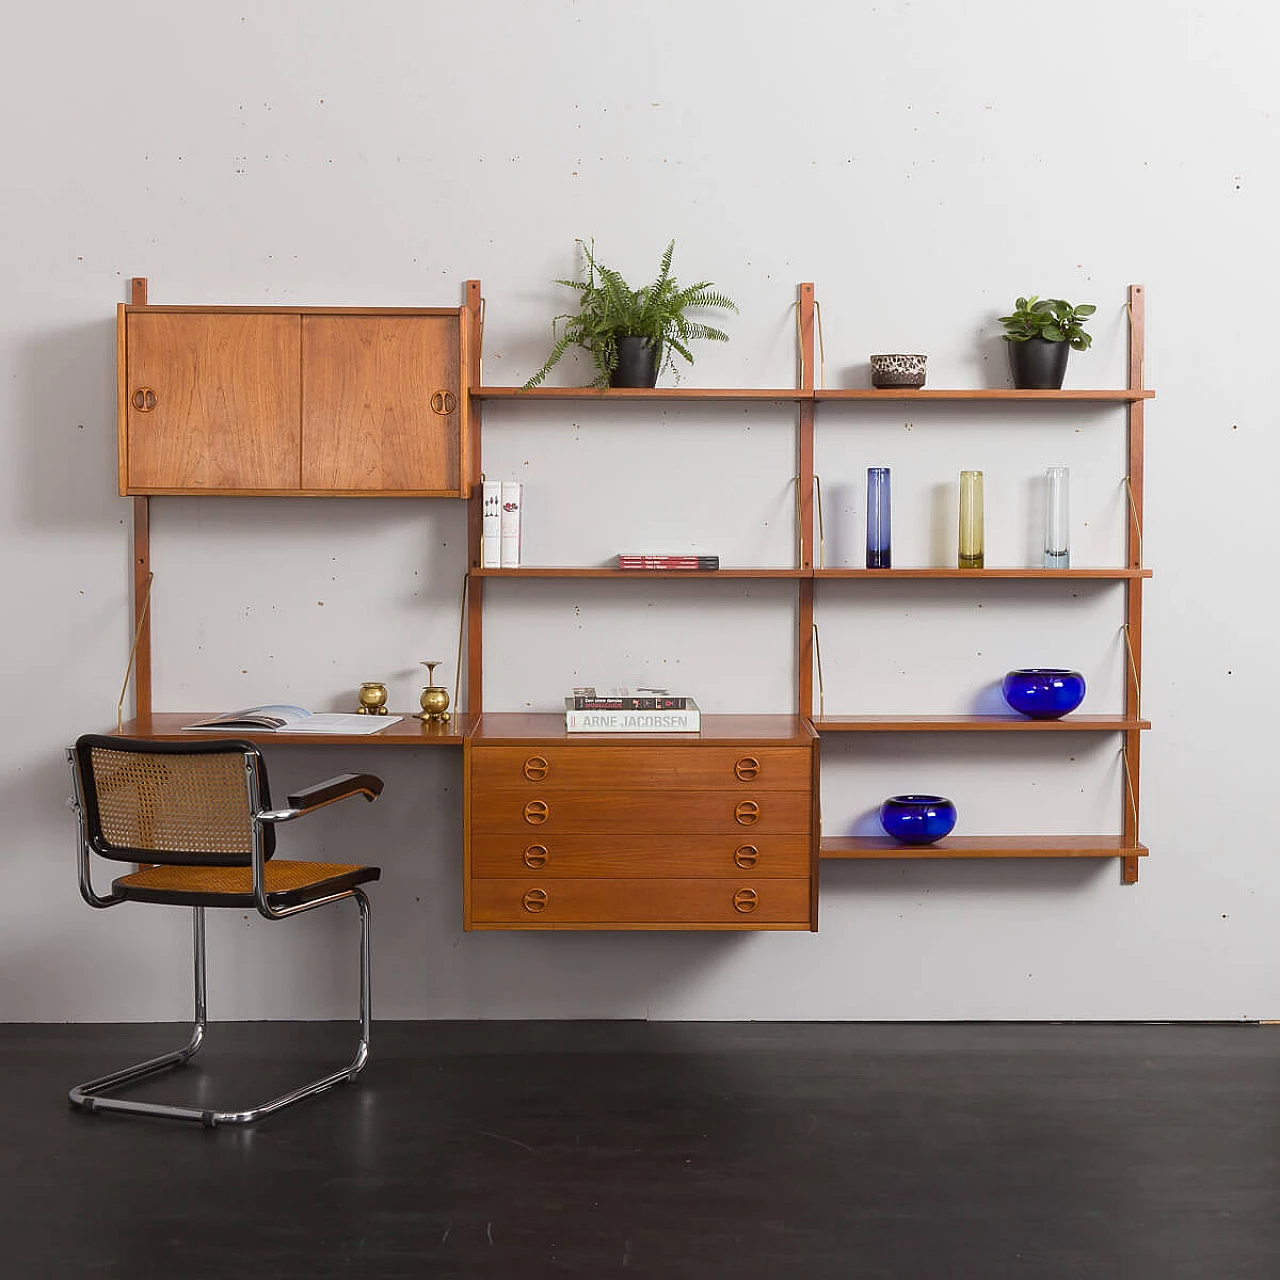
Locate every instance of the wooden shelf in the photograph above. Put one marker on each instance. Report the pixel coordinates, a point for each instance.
(766, 394)
(975, 575)
(519, 727)
(775, 394)
(877, 847)
(636, 575)
(166, 726)
(975, 724)
(1123, 396)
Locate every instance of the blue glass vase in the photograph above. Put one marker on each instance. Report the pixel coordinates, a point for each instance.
(879, 551)
(1044, 693)
(917, 819)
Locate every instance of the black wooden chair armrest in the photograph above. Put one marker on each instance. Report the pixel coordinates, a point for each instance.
(326, 792)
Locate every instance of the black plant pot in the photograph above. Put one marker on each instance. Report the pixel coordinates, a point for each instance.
(637, 363)
(1038, 364)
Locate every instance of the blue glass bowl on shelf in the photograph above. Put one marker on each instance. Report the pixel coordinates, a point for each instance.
(1043, 693)
(917, 819)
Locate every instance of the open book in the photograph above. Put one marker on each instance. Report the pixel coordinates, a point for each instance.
(287, 719)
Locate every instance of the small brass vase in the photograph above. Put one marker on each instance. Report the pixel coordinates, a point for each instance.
(373, 699)
(434, 698)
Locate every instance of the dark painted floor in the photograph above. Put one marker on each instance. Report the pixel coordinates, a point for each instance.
(667, 1150)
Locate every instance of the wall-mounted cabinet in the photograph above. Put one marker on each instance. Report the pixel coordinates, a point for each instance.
(302, 402)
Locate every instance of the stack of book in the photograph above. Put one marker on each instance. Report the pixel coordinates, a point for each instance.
(627, 561)
(624, 711)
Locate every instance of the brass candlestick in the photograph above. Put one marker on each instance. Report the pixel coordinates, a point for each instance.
(373, 699)
(434, 698)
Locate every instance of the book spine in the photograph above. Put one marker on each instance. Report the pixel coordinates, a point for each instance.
(512, 501)
(668, 562)
(686, 721)
(636, 703)
(491, 529)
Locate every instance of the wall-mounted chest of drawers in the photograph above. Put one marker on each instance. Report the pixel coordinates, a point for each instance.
(715, 830)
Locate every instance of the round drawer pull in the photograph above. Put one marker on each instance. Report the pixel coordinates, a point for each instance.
(746, 855)
(535, 856)
(746, 769)
(537, 812)
(745, 812)
(745, 901)
(535, 900)
(536, 768)
(443, 403)
(144, 399)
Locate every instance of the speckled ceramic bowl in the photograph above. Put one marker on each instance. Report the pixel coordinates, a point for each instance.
(897, 371)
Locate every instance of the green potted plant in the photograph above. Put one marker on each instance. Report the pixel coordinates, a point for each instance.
(632, 334)
(1041, 333)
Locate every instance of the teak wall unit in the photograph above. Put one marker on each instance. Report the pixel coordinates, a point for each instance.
(559, 830)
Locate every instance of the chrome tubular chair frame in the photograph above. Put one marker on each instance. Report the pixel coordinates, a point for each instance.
(98, 1095)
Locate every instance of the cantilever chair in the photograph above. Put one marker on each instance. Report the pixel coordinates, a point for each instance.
(197, 817)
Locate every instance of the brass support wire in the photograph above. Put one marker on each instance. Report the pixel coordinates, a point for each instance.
(1128, 787)
(817, 653)
(462, 626)
(795, 484)
(800, 340)
(822, 536)
(1137, 523)
(133, 652)
(822, 351)
(1133, 667)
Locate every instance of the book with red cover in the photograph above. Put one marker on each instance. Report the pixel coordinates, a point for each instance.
(626, 561)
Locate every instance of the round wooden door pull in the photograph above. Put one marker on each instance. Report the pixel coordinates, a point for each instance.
(746, 769)
(745, 812)
(536, 812)
(745, 901)
(443, 403)
(536, 768)
(535, 900)
(535, 856)
(143, 399)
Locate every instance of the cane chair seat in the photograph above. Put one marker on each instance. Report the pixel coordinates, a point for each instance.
(287, 883)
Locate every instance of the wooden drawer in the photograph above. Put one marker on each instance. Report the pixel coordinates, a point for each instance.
(551, 811)
(635, 856)
(590, 903)
(620, 767)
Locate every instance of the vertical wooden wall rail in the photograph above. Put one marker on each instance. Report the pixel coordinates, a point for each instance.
(141, 542)
(1133, 587)
(804, 469)
(474, 588)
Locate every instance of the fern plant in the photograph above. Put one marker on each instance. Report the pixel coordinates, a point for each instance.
(609, 309)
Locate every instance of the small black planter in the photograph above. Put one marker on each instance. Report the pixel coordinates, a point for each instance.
(638, 362)
(1038, 364)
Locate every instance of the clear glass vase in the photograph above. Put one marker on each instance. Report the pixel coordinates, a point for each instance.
(1057, 536)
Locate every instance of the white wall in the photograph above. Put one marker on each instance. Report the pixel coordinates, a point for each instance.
(923, 163)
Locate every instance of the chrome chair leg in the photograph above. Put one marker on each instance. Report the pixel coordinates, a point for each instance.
(92, 1096)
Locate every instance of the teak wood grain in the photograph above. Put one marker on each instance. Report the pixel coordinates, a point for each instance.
(626, 854)
(878, 847)
(637, 767)
(367, 419)
(220, 402)
(623, 812)
(595, 903)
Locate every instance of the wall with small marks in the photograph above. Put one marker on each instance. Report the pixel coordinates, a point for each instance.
(923, 163)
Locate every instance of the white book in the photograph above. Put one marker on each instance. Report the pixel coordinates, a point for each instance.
(491, 529)
(512, 500)
(687, 721)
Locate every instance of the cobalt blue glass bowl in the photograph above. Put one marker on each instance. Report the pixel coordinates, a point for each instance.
(1044, 693)
(917, 819)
